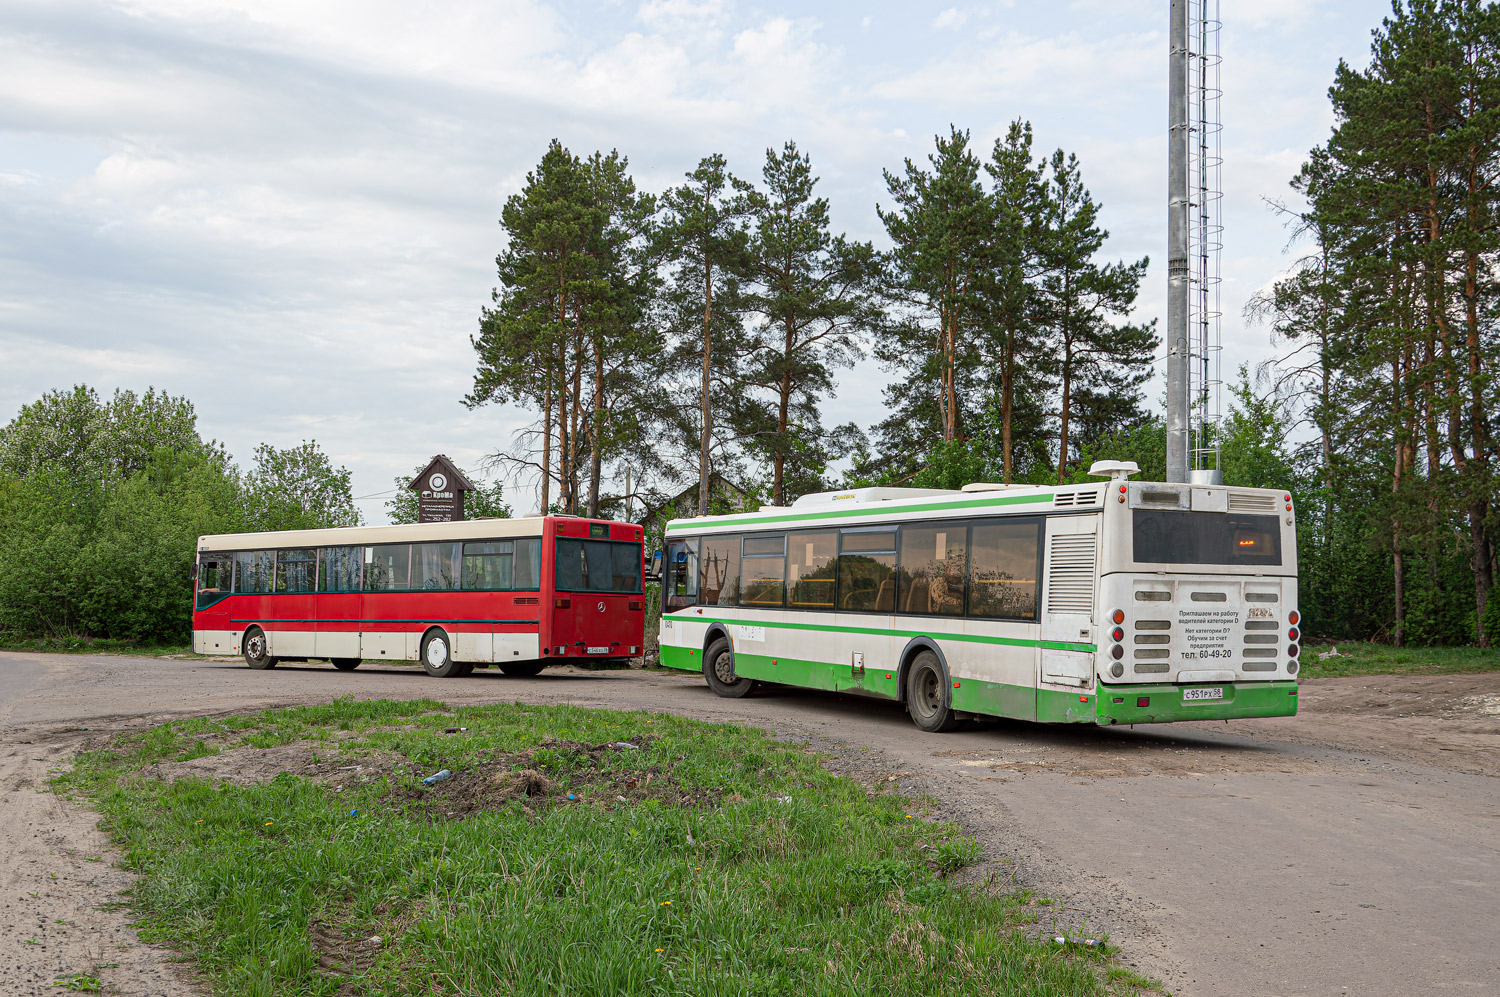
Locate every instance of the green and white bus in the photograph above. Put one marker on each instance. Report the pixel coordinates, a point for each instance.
(1111, 603)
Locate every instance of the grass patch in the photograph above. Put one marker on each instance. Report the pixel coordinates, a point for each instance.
(706, 859)
(89, 645)
(1381, 659)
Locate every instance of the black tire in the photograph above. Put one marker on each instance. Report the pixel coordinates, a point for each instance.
(437, 656)
(522, 669)
(929, 697)
(718, 670)
(257, 650)
(345, 664)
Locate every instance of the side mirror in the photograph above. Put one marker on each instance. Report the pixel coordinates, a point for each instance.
(654, 573)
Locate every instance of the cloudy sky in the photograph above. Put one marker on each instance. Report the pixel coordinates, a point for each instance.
(287, 209)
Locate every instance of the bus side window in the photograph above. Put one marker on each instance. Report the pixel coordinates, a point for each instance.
(214, 578)
(296, 570)
(252, 571)
(867, 571)
(339, 571)
(719, 578)
(1003, 569)
(387, 567)
(489, 565)
(811, 568)
(528, 564)
(682, 574)
(932, 569)
(763, 570)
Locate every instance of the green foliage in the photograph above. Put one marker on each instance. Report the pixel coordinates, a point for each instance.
(298, 489)
(101, 506)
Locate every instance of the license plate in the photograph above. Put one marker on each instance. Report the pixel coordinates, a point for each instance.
(1191, 695)
(597, 650)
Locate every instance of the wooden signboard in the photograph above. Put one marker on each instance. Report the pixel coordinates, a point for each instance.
(440, 491)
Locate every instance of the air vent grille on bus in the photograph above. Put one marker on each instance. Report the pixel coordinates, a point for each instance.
(1070, 573)
(1086, 497)
(1240, 502)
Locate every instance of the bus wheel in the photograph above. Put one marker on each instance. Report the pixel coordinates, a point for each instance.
(718, 669)
(258, 650)
(437, 656)
(521, 669)
(928, 698)
(345, 664)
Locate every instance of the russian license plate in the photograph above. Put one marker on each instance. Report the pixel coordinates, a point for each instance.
(1197, 695)
(597, 650)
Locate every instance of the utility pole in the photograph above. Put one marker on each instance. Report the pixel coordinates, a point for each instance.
(1177, 246)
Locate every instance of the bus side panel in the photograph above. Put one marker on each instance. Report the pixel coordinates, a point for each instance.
(338, 626)
(682, 643)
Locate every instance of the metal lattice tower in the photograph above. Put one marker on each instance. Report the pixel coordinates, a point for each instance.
(1205, 238)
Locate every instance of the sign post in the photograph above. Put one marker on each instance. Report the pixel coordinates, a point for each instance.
(440, 488)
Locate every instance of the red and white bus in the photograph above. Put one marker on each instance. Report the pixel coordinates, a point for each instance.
(518, 593)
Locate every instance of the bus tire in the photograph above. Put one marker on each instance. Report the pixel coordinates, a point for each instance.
(929, 697)
(258, 650)
(522, 669)
(718, 671)
(345, 664)
(437, 656)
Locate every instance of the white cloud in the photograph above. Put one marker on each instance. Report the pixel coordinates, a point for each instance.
(950, 19)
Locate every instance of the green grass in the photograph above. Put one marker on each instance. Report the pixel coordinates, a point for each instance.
(741, 867)
(89, 645)
(1380, 659)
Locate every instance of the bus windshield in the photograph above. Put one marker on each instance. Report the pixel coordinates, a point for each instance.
(1166, 536)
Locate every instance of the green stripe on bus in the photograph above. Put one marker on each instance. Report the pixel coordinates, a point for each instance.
(1050, 645)
(873, 509)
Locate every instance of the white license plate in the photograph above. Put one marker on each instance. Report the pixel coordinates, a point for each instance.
(597, 650)
(1192, 695)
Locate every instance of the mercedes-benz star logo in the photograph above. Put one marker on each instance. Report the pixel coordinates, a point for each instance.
(601, 607)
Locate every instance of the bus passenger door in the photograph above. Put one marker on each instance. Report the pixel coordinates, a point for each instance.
(1066, 661)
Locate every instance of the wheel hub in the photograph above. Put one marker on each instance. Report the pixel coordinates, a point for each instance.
(724, 668)
(437, 653)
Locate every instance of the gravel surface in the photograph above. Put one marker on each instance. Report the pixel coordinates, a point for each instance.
(1353, 849)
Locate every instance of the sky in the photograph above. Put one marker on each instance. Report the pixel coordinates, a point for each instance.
(288, 210)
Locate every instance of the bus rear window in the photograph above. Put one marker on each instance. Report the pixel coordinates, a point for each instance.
(1164, 536)
(598, 566)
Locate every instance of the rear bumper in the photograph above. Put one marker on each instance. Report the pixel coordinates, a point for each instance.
(1120, 704)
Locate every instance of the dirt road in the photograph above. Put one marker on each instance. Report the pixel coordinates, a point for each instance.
(1354, 849)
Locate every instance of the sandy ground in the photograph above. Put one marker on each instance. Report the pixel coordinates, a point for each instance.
(1354, 849)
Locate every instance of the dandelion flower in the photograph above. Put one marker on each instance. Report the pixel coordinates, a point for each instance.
(658, 950)
(666, 903)
(269, 823)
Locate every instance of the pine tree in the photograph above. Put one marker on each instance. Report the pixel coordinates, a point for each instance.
(1099, 365)
(813, 295)
(707, 240)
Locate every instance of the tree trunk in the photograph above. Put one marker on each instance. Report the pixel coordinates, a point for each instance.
(596, 435)
(1007, 399)
(784, 402)
(708, 301)
(546, 444)
(1398, 564)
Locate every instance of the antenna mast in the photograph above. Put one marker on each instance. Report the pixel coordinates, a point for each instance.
(1194, 242)
(1205, 170)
